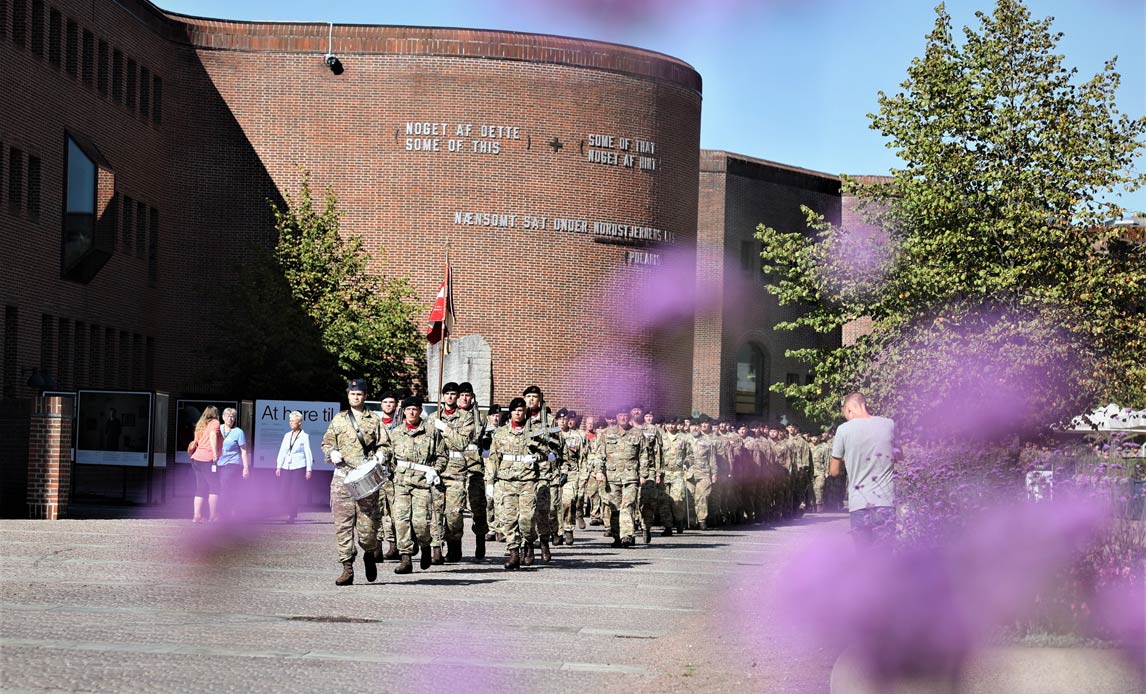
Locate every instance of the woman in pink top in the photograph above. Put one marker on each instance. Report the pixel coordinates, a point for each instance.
(206, 449)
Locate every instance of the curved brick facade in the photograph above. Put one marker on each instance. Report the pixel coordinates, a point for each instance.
(424, 133)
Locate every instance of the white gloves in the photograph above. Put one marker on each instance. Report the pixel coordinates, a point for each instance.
(380, 456)
(551, 457)
(335, 457)
(441, 426)
(489, 490)
(432, 479)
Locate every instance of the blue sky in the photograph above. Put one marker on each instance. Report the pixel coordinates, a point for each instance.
(785, 80)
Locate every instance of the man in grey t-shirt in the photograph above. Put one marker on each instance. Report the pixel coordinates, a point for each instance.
(865, 447)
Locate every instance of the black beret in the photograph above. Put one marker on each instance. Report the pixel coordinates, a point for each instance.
(412, 401)
(358, 384)
(530, 389)
(562, 412)
(465, 387)
(516, 403)
(495, 409)
(659, 420)
(637, 406)
(450, 387)
(571, 414)
(391, 395)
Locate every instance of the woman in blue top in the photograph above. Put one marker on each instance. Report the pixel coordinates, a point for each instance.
(233, 459)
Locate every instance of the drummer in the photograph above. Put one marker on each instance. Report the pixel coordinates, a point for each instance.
(353, 440)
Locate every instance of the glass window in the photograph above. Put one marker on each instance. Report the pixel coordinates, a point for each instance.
(157, 100)
(88, 73)
(55, 34)
(116, 75)
(129, 88)
(20, 22)
(72, 48)
(38, 27)
(33, 187)
(101, 67)
(88, 237)
(751, 381)
(79, 209)
(144, 93)
(15, 180)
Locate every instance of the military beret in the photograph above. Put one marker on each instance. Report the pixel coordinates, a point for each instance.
(637, 406)
(450, 387)
(466, 387)
(530, 389)
(563, 412)
(659, 420)
(358, 384)
(412, 401)
(568, 413)
(389, 395)
(495, 409)
(516, 403)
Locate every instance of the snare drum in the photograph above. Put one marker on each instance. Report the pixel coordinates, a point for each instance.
(365, 479)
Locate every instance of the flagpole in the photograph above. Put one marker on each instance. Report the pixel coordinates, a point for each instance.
(445, 331)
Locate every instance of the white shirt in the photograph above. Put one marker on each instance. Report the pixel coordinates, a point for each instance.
(294, 453)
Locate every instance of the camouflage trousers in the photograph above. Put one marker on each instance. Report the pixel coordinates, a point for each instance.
(458, 493)
(350, 516)
(515, 512)
(386, 514)
(438, 517)
(412, 515)
(571, 506)
(818, 488)
(674, 491)
(542, 515)
(654, 501)
(700, 489)
(621, 502)
(592, 497)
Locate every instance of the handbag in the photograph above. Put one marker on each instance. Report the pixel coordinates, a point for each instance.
(192, 447)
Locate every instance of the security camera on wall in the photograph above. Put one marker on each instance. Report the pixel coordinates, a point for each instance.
(334, 63)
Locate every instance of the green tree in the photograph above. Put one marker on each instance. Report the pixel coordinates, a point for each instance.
(313, 315)
(993, 270)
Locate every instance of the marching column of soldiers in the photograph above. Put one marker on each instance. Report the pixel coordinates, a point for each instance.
(530, 478)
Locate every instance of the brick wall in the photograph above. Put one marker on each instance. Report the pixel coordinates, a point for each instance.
(49, 458)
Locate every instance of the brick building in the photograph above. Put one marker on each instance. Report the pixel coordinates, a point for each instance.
(139, 148)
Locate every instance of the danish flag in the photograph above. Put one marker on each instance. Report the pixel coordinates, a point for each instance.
(442, 313)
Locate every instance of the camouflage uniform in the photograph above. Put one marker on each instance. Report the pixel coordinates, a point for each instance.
(350, 515)
(821, 461)
(512, 468)
(652, 496)
(546, 444)
(386, 500)
(574, 454)
(699, 476)
(677, 460)
(412, 492)
(801, 452)
(592, 489)
(461, 443)
(622, 455)
(485, 440)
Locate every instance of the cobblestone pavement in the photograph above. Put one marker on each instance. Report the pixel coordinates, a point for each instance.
(163, 605)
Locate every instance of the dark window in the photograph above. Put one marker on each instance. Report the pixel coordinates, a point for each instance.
(11, 335)
(157, 101)
(149, 363)
(80, 205)
(129, 85)
(95, 350)
(127, 231)
(3, 18)
(144, 93)
(79, 354)
(37, 33)
(64, 347)
(153, 248)
(33, 187)
(116, 76)
(71, 48)
(47, 346)
(19, 22)
(751, 381)
(55, 35)
(138, 367)
(793, 379)
(1, 171)
(140, 229)
(101, 67)
(124, 360)
(109, 358)
(88, 73)
(748, 256)
(15, 180)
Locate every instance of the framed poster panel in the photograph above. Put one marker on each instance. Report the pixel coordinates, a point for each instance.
(187, 413)
(113, 427)
(272, 423)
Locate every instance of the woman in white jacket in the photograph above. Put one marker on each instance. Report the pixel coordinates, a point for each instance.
(296, 462)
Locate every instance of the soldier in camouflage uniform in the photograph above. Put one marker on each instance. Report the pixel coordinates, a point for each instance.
(459, 429)
(419, 456)
(574, 457)
(448, 401)
(475, 470)
(590, 490)
(703, 474)
(677, 461)
(658, 502)
(389, 419)
(352, 440)
(821, 461)
(493, 421)
(546, 445)
(622, 461)
(802, 452)
(512, 468)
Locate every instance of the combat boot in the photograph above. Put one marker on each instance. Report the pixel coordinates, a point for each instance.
(491, 536)
(453, 550)
(513, 561)
(616, 542)
(680, 527)
(479, 550)
(627, 542)
(405, 566)
(424, 557)
(499, 537)
(546, 555)
(667, 532)
(596, 521)
(703, 525)
(391, 551)
(558, 539)
(347, 576)
(569, 537)
(647, 534)
(371, 567)
(581, 523)
(436, 557)
(527, 560)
